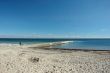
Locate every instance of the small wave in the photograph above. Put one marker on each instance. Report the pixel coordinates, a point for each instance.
(66, 42)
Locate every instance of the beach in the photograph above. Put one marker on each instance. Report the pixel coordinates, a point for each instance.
(35, 59)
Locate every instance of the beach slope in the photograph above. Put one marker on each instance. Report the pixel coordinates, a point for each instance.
(19, 59)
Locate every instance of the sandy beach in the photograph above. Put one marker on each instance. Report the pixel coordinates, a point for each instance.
(25, 59)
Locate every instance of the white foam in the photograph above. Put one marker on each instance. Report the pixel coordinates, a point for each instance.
(64, 42)
(7, 44)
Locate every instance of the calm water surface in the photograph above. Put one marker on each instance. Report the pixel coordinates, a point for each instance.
(98, 44)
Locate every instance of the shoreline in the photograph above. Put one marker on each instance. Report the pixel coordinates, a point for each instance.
(50, 46)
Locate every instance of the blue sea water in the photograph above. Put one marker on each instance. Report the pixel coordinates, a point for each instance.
(29, 40)
(98, 44)
(94, 44)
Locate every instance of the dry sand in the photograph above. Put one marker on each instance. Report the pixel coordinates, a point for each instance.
(22, 59)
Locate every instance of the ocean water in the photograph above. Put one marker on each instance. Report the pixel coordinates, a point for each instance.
(98, 44)
(29, 40)
(94, 44)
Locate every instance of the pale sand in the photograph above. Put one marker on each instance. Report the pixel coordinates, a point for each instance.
(22, 59)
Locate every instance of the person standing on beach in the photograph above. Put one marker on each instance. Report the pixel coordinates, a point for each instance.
(20, 43)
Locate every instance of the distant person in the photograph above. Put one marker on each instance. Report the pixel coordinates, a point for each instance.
(20, 43)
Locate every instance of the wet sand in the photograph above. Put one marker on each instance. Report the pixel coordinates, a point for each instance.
(31, 59)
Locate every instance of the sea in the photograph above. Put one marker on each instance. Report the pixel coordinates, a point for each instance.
(94, 44)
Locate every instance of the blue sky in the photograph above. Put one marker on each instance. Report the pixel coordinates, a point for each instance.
(67, 18)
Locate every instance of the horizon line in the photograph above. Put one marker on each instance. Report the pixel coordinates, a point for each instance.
(51, 38)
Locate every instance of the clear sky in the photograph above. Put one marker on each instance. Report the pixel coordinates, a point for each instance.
(72, 18)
